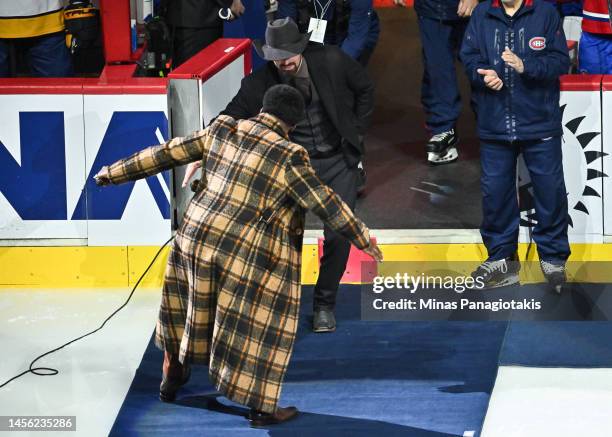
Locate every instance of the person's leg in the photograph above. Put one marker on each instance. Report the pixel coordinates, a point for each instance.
(588, 54)
(589, 59)
(188, 41)
(174, 375)
(606, 54)
(365, 56)
(48, 56)
(172, 320)
(458, 33)
(440, 93)
(545, 164)
(426, 93)
(343, 180)
(4, 58)
(363, 59)
(500, 209)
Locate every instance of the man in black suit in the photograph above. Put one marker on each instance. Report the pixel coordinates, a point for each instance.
(195, 24)
(340, 100)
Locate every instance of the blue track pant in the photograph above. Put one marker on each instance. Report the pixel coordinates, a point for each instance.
(500, 223)
(440, 97)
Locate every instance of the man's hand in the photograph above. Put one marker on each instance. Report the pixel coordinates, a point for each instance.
(237, 9)
(513, 61)
(374, 251)
(466, 7)
(491, 79)
(400, 3)
(190, 171)
(102, 177)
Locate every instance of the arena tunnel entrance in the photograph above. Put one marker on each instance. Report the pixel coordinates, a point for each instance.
(403, 191)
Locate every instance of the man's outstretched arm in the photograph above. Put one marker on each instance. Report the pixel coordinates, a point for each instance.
(155, 159)
(311, 193)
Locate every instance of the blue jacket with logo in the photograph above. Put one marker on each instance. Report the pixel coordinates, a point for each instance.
(527, 106)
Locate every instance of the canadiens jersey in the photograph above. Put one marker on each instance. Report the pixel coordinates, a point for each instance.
(596, 16)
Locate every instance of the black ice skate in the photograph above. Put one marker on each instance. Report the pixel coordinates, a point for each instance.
(498, 273)
(441, 148)
(554, 272)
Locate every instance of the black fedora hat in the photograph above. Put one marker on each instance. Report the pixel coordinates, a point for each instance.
(283, 40)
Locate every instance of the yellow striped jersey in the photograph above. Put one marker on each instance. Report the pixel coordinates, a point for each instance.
(29, 18)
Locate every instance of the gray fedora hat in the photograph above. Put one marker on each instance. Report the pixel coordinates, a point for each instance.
(283, 40)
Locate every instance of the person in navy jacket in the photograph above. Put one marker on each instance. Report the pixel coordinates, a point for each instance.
(352, 25)
(514, 52)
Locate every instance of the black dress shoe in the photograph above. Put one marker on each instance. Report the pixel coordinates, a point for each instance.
(169, 386)
(324, 321)
(258, 419)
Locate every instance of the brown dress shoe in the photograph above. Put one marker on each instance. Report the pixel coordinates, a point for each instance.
(174, 375)
(259, 419)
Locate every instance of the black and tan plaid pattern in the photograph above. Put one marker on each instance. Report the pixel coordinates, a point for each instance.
(232, 284)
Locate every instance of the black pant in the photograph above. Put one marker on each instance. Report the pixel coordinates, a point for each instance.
(365, 56)
(187, 41)
(334, 172)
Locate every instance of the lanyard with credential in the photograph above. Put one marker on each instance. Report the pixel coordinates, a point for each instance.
(323, 9)
(318, 25)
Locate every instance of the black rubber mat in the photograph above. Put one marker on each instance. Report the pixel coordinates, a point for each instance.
(403, 191)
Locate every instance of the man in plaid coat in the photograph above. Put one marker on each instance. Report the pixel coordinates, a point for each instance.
(232, 284)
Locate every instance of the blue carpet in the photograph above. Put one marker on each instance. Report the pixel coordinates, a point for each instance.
(558, 344)
(418, 379)
(572, 329)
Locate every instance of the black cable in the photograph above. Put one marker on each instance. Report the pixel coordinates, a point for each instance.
(530, 230)
(48, 371)
(530, 224)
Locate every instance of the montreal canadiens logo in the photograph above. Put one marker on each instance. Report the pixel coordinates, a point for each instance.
(537, 43)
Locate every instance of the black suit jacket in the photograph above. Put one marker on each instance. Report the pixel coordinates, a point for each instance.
(343, 86)
(194, 13)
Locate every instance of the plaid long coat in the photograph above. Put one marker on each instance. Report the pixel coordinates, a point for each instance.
(232, 284)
